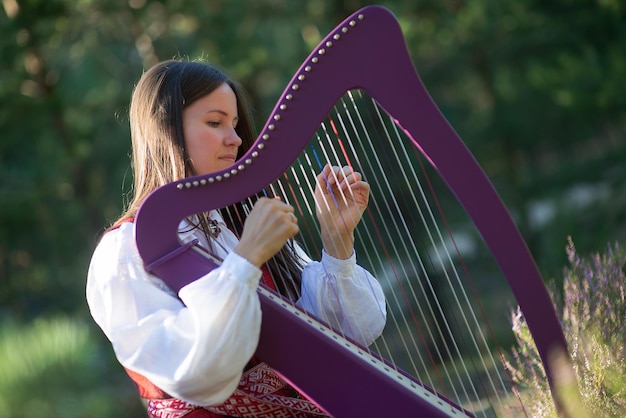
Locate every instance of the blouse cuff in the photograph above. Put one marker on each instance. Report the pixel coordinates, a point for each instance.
(337, 266)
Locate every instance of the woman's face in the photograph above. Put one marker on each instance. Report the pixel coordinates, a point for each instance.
(209, 128)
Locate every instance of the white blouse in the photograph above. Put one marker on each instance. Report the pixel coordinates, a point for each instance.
(197, 351)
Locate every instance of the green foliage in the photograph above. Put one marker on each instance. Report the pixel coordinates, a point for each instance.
(592, 310)
(53, 365)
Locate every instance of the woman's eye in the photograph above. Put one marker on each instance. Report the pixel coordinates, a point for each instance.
(213, 124)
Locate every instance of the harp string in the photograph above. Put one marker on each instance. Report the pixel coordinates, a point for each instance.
(404, 300)
(461, 298)
(316, 160)
(285, 189)
(443, 257)
(484, 345)
(401, 229)
(410, 321)
(339, 162)
(474, 291)
(422, 336)
(336, 161)
(494, 381)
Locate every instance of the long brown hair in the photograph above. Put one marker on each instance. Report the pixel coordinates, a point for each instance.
(158, 146)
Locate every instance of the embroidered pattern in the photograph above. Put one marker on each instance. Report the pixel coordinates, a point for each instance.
(168, 408)
(261, 394)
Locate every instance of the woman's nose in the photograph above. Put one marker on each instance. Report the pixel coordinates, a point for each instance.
(233, 138)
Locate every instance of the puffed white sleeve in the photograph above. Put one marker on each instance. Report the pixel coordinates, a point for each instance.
(196, 350)
(344, 295)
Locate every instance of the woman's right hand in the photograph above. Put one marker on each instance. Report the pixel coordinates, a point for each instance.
(266, 229)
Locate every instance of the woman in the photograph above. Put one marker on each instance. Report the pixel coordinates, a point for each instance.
(191, 353)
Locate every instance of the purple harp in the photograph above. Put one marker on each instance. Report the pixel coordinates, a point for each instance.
(365, 56)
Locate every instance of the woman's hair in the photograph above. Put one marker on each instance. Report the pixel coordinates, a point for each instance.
(158, 146)
(156, 123)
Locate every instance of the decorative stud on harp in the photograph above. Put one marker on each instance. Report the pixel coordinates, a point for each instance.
(366, 52)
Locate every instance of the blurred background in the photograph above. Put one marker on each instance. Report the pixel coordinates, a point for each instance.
(537, 89)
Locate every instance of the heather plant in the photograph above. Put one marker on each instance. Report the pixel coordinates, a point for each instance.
(592, 309)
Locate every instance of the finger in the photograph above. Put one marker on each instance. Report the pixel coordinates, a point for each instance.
(347, 170)
(328, 179)
(289, 209)
(292, 221)
(331, 174)
(352, 178)
(323, 177)
(360, 188)
(279, 204)
(347, 174)
(337, 177)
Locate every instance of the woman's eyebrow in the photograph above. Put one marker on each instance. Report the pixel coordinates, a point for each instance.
(220, 111)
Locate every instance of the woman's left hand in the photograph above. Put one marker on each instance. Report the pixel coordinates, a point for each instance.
(341, 197)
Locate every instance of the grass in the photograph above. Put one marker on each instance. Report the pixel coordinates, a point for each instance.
(55, 367)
